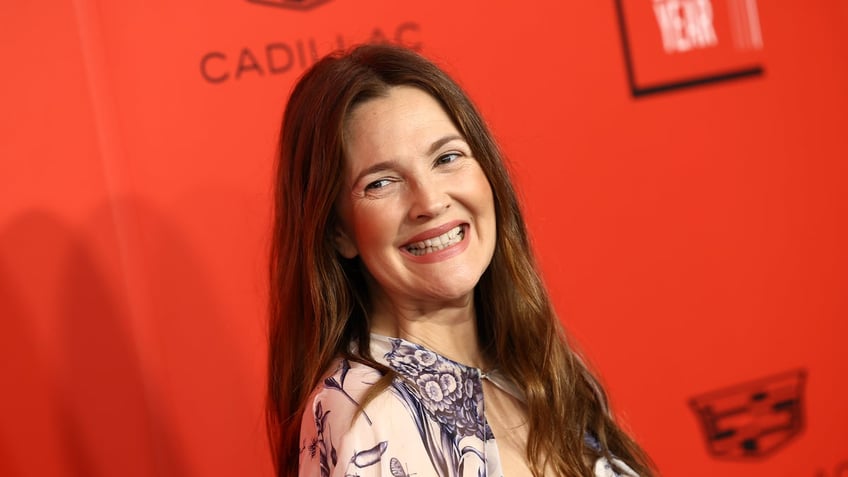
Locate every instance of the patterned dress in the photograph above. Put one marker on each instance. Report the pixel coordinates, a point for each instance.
(429, 422)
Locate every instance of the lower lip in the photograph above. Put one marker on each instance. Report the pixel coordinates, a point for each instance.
(442, 254)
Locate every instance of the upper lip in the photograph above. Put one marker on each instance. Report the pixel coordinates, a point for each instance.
(434, 232)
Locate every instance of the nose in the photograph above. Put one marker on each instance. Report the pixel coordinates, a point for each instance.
(428, 200)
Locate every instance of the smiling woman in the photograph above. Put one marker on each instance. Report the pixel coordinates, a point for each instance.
(416, 208)
(410, 332)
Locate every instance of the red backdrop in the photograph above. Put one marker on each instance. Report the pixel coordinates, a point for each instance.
(686, 196)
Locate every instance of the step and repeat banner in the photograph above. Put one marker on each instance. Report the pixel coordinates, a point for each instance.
(682, 164)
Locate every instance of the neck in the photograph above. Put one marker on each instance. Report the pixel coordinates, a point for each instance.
(447, 329)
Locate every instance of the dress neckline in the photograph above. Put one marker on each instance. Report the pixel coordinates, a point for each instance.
(412, 360)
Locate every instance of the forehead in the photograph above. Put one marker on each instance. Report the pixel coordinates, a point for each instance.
(405, 118)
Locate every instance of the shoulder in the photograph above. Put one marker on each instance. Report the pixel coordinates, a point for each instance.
(339, 396)
(347, 381)
(336, 430)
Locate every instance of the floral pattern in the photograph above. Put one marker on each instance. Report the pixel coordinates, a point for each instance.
(451, 392)
(430, 420)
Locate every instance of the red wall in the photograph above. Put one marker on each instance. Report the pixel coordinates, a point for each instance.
(693, 239)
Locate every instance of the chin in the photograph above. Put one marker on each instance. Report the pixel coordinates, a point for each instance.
(452, 292)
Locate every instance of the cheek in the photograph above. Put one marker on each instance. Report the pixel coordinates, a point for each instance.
(374, 228)
(483, 192)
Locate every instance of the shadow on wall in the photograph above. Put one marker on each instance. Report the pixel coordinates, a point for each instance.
(77, 400)
(28, 419)
(186, 254)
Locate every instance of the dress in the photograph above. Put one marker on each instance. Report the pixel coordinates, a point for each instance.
(428, 422)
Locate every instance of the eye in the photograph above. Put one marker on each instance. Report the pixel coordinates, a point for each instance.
(447, 158)
(378, 184)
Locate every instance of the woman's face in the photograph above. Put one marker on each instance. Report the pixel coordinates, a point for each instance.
(416, 206)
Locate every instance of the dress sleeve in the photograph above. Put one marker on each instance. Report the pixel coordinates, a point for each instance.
(603, 468)
(336, 438)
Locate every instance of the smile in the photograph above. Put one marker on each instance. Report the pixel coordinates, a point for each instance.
(451, 237)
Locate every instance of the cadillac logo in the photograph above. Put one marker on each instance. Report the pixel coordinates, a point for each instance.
(292, 4)
(753, 419)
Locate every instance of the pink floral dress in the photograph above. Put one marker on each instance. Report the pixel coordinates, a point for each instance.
(429, 422)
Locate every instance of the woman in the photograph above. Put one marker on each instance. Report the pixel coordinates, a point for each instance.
(410, 331)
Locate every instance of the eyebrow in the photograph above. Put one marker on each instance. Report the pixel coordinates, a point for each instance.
(441, 142)
(391, 164)
(378, 167)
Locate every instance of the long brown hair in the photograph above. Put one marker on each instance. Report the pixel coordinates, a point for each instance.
(319, 303)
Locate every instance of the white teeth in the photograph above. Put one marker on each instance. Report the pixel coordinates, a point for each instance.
(451, 237)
